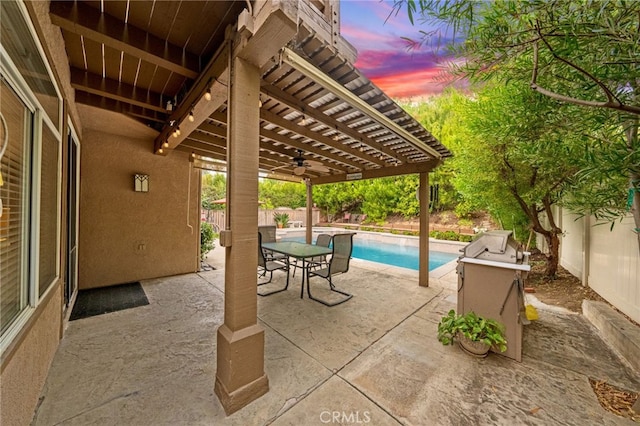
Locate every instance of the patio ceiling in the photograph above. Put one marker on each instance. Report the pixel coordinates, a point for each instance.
(137, 57)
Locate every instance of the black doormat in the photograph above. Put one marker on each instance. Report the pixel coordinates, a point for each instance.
(98, 301)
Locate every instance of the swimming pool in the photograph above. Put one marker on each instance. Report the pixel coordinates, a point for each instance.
(392, 254)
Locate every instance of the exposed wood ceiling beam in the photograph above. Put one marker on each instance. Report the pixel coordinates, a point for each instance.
(205, 146)
(88, 22)
(121, 107)
(201, 152)
(112, 89)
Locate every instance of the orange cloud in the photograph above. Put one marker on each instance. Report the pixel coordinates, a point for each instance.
(411, 83)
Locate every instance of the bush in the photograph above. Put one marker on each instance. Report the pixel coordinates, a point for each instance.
(207, 239)
(450, 236)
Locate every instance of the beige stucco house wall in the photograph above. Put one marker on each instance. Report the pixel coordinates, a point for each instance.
(125, 235)
(25, 363)
(25, 371)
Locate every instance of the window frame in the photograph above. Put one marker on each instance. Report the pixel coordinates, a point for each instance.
(33, 174)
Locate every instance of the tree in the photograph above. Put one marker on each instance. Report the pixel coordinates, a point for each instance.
(282, 194)
(520, 152)
(338, 198)
(581, 52)
(438, 114)
(213, 188)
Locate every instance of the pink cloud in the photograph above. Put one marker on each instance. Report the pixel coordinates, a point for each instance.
(360, 36)
(411, 83)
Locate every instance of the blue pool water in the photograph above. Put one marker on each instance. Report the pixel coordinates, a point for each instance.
(391, 254)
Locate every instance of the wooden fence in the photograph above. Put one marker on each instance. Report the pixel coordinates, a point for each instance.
(297, 217)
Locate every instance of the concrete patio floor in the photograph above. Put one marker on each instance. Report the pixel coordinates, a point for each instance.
(373, 360)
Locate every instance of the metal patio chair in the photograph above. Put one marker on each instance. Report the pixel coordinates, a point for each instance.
(338, 264)
(268, 233)
(323, 240)
(265, 265)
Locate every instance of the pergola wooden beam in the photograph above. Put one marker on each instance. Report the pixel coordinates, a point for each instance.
(283, 123)
(216, 136)
(310, 148)
(405, 169)
(283, 97)
(284, 139)
(356, 102)
(102, 28)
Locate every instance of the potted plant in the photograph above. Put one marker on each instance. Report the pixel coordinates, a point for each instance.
(475, 335)
(281, 219)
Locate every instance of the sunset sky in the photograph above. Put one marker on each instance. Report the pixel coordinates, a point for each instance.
(383, 55)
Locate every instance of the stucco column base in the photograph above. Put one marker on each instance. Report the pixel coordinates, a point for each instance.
(240, 377)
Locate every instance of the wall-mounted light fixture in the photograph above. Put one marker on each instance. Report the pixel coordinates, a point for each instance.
(141, 182)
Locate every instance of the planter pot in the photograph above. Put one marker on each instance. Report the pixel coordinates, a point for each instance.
(472, 347)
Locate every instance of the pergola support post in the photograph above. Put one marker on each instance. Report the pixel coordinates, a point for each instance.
(309, 227)
(423, 195)
(240, 376)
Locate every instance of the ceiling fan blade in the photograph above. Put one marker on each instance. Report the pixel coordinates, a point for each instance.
(280, 167)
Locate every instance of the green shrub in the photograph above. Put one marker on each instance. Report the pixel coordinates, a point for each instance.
(450, 236)
(207, 239)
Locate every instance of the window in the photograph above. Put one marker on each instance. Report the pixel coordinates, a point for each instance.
(30, 190)
(48, 250)
(15, 37)
(15, 125)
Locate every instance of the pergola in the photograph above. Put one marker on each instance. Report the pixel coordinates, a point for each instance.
(255, 86)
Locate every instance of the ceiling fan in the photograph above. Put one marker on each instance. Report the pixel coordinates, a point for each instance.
(301, 165)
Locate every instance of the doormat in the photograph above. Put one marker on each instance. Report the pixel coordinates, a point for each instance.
(98, 301)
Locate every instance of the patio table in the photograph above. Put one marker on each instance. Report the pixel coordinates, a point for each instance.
(300, 251)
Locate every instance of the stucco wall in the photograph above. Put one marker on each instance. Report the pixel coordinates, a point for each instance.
(125, 235)
(26, 371)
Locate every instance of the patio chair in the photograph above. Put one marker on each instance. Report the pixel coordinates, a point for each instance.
(323, 240)
(268, 233)
(265, 265)
(338, 264)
